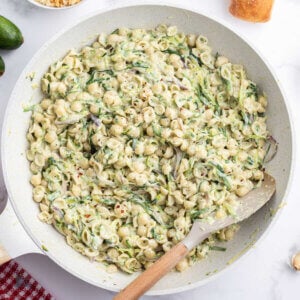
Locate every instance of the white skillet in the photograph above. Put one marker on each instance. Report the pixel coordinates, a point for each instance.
(16, 168)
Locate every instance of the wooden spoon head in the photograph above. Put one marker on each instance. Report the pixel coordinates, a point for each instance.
(256, 199)
(248, 205)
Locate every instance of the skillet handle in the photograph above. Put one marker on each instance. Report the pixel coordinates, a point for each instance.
(3, 192)
(13, 237)
(4, 257)
(148, 278)
(14, 241)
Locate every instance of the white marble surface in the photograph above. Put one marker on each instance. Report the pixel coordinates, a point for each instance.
(264, 273)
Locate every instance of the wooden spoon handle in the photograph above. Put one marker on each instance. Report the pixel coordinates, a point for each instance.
(148, 278)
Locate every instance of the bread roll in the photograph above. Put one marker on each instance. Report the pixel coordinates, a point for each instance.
(252, 10)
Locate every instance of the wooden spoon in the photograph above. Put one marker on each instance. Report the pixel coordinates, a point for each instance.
(201, 229)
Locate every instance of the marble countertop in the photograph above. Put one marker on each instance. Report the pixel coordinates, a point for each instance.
(265, 272)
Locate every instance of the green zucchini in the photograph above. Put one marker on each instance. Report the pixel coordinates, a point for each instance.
(10, 35)
(2, 66)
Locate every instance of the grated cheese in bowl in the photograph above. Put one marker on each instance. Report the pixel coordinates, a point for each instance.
(58, 3)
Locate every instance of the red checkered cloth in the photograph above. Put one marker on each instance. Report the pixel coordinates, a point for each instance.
(17, 284)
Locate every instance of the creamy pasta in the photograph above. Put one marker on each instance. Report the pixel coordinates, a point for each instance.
(139, 135)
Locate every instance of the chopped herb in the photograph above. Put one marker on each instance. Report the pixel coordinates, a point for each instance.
(193, 56)
(71, 201)
(218, 110)
(92, 78)
(149, 210)
(228, 85)
(154, 234)
(116, 31)
(109, 72)
(45, 248)
(53, 196)
(139, 64)
(247, 118)
(170, 51)
(53, 162)
(195, 214)
(63, 76)
(106, 87)
(87, 198)
(29, 108)
(127, 243)
(223, 131)
(129, 251)
(156, 129)
(220, 172)
(252, 90)
(250, 161)
(201, 97)
(100, 80)
(217, 248)
(205, 97)
(229, 208)
(108, 201)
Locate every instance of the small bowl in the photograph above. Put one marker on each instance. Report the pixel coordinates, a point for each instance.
(33, 2)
